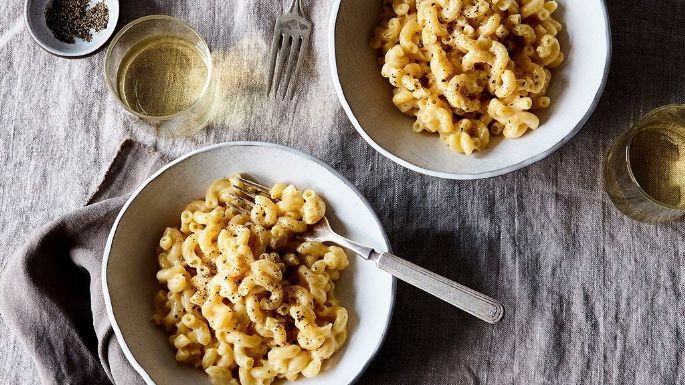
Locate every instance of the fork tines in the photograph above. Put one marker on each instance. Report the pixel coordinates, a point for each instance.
(254, 185)
(242, 200)
(291, 38)
(242, 203)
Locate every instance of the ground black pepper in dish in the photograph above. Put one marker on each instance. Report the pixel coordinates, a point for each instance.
(69, 19)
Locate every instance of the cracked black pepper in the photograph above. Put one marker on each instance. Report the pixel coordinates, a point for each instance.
(69, 19)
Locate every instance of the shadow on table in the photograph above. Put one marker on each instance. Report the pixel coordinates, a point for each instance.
(131, 10)
(428, 336)
(646, 69)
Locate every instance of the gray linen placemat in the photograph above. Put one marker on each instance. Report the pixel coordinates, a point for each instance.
(591, 297)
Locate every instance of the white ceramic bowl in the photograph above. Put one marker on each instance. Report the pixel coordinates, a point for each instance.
(366, 96)
(129, 265)
(34, 14)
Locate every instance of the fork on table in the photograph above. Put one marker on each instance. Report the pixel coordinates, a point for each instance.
(291, 38)
(464, 298)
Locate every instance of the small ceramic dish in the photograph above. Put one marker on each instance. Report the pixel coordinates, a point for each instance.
(366, 96)
(130, 262)
(34, 14)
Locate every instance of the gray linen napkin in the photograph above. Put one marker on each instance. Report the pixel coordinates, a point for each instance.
(50, 293)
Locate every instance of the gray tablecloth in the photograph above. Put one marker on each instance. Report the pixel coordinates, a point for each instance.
(591, 296)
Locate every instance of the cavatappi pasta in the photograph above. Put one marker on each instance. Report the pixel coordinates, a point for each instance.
(469, 69)
(241, 297)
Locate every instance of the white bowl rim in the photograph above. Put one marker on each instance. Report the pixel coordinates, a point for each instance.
(113, 18)
(103, 275)
(453, 175)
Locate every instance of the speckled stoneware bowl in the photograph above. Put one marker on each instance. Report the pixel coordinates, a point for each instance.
(130, 262)
(34, 14)
(367, 97)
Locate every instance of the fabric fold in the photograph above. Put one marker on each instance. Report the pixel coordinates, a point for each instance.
(51, 293)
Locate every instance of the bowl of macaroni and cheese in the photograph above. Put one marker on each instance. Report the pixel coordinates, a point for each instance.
(202, 287)
(468, 89)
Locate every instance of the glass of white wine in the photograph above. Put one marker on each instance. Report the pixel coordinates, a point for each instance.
(644, 173)
(160, 70)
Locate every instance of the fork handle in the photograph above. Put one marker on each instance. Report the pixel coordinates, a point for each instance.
(468, 300)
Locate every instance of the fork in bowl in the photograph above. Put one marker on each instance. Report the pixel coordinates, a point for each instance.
(464, 298)
(291, 38)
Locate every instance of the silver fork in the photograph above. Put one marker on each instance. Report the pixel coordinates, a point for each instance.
(466, 299)
(291, 38)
